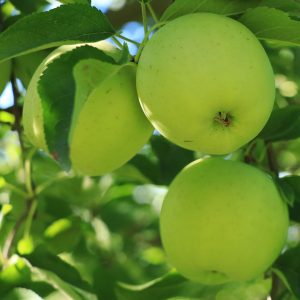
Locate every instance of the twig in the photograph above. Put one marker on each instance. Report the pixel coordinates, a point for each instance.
(144, 15)
(128, 40)
(152, 12)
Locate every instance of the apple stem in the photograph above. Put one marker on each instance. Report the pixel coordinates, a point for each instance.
(223, 118)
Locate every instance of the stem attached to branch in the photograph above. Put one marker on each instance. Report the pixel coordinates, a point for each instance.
(144, 15)
(152, 12)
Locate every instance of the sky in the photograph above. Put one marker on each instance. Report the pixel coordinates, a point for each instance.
(132, 30)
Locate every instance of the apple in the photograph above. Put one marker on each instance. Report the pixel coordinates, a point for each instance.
(223, 221)
(206, 83)
(108, 125)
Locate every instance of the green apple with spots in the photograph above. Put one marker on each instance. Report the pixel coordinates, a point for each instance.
(223, 221)
(206, 83)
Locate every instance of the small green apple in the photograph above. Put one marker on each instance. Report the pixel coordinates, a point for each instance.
(223, 220)
(206, 83)
(108, 126)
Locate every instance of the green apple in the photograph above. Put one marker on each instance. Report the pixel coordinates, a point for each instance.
(108, 125)
(5, 69)
(223, 221)
(206, 83)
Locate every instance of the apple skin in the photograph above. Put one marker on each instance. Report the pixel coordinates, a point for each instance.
(223, 221)
(206, 83)
(116, 132)
(109, 130)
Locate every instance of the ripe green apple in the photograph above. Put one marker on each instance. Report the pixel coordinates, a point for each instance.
(223, 220)
(108, 125)
(206, 83)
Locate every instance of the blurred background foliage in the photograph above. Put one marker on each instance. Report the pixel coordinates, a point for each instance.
(98, 238)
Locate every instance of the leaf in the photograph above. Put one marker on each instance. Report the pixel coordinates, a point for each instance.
(21, 294)
(225, 7)
(75, 1)
(285, 190)
(25, 65)
(57, 114)
(293, 183)
(43, 259)
(66, 230)
(284, 124)
(68, 290)
(67, 24)
(272, 25)
(174, 286)
(172, 158)
(5, 70)
(287, 267)
(257, 289)
(28, 6)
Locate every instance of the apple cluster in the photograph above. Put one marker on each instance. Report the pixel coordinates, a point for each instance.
(206, 84)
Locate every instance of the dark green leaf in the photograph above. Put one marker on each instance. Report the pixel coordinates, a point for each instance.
(293, 184)
(284, 124)
(286, 191)
(75, 1)
(57, 114)
(5, 70)
(287, 267)
(42, 259)
(272, 25)
(28, 6)
(225, 7)
(67, 24)
(25, 65)
(171, 158)
(63, 235)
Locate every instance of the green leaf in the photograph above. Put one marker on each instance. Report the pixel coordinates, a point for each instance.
(272, 25)
(256, 289)
(174, 286)
(67, 24)
(25, 65)
(5, 70)
(287, 267)
(171, 158)
(21, 294)
(63, 235)
(284, 124)
(57, 114)
(225, 7)
(28, 6)
(72, 292)
(43, 259)
(285, 190)
(75, 1)
(293, 183)
(167, 286)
